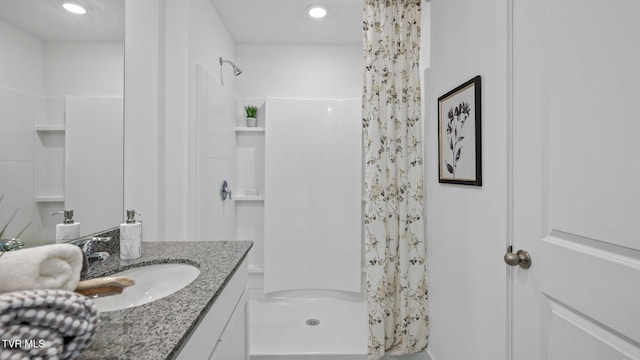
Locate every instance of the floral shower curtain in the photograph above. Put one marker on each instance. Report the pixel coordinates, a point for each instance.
(394, 224)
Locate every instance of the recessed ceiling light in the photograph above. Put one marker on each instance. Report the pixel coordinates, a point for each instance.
(317, 11)
(74, 8)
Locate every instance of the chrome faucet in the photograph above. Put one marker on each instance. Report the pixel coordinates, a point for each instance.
(10, 244)
(89, 246)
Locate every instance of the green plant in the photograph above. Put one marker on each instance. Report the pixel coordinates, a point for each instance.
(251, 111)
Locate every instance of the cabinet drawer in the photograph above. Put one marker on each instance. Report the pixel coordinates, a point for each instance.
(234, 341)
(205, 337)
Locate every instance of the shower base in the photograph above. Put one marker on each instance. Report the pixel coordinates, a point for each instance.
(307, 329)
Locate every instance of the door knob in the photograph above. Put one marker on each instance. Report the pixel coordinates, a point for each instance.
(521, 258)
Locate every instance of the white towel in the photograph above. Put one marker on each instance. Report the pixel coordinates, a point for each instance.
(55, 266)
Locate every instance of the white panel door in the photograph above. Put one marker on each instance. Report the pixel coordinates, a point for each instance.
(576, 161)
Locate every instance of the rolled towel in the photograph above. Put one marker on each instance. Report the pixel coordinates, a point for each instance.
(55, 266)
(45, 324)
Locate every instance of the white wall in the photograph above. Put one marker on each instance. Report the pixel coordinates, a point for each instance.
(84, 68)
(22, 60)
(141, 111)
(174, 141)
(165, 41)
(21, 79)
(16, 161)
(466, 226)
(320, 71)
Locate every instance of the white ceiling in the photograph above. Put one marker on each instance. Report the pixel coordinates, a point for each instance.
(104, 20)
(286, 21)
(248, 21)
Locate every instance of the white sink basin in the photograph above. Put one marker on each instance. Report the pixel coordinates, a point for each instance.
(153, 282)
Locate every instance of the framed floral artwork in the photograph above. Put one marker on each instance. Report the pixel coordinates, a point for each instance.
(459, 135)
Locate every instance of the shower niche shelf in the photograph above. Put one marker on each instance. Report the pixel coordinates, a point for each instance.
(249, 198)
(49, 162)
(49, 198)
(246, 129)
(49, 128)
(250, 164)
(249, 195)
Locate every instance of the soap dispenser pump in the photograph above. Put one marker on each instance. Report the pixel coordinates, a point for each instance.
(68, 229)
(131, 237)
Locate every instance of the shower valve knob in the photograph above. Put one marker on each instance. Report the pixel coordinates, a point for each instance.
(225, 191)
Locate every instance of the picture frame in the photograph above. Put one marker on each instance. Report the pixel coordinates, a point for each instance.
(460, 135)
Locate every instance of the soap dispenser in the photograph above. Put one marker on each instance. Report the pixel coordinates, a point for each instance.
(131, 237)
(67, 229)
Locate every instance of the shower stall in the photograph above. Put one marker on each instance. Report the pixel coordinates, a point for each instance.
(312, 305)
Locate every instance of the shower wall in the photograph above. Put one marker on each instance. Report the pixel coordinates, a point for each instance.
(98, 162)
(215, 218)
(35, 77)
(283, 71)
(313, 195)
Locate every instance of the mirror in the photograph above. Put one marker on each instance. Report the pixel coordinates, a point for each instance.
(61, 112)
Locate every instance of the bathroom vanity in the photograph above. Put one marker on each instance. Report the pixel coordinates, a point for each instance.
(204, 320)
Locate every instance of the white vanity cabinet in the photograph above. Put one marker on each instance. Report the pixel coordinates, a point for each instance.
(223, 333)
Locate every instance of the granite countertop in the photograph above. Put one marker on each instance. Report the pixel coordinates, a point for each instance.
(159, 329)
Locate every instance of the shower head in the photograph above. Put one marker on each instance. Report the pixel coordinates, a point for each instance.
(236, 70)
